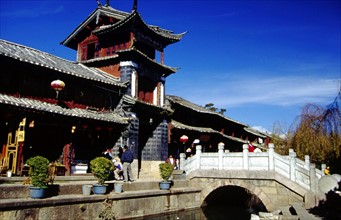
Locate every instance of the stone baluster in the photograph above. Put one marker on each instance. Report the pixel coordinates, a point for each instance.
(313, 179)
(182, 160)
(198, 152)
(306, 162)
(323, 167)
(245, 157)
(292, 156)
(220, 155)
(271, 153)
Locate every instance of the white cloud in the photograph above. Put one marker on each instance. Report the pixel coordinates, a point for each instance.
(279, 91)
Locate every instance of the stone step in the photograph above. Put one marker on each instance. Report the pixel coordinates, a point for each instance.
(302, 213)
(285, 210)
(73, 185)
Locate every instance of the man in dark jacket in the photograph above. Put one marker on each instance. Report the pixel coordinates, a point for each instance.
(127, 159)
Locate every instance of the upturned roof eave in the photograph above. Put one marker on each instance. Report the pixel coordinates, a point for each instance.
(164, 34)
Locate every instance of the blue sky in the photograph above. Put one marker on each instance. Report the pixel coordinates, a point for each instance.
(260, 60)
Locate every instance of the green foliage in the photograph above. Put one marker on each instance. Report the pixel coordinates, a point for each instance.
(317, 133)
(101, 167)
(38, 171)
(210, 106)
(166, 170)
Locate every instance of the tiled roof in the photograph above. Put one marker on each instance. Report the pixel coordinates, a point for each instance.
(39, 58)
(256, 132)
(106, 11)
(135, 17)
(133, 101)
(56, 109)
(179, 125)
(198, 108)
(167, 70)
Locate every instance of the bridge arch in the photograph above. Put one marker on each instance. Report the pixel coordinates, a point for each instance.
(255, 190)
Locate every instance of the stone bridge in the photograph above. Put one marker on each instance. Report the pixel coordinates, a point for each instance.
(275, 180)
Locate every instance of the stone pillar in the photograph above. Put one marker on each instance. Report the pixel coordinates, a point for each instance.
(313, 179)
(162, 91)
(271, 155)
(323, 167)
(292, 170)
(245, 157)
(198, 155)
(155, 95)
(306, 162)
(220, 155)
(182, 160)
(128, 74)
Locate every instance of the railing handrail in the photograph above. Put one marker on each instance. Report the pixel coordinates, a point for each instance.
(301, 172)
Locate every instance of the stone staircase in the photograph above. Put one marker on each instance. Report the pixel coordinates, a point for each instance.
(13, 188)
(298, 212)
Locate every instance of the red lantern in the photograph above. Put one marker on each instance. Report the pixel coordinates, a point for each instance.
(57, 85)
(183, 139)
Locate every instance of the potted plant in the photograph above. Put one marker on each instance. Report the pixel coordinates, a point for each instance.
(166, 171)
(38, 176)
(101, 167)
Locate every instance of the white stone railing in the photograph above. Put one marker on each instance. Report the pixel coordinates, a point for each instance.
(301, 172)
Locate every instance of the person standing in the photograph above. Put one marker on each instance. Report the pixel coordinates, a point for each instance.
(127, 159)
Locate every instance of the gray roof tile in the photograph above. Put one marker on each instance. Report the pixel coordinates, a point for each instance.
(56, 109)
(39, 58)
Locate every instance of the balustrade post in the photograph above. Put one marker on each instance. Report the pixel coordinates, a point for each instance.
(182, 160)
(307, 162)
(198, 152)
(323, 167)
(220, 155)
(271, 153)
(292, 156)
(313, 179)
(245, 157)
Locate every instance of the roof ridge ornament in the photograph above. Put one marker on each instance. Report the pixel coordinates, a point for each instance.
(135, 5)
(107, 3)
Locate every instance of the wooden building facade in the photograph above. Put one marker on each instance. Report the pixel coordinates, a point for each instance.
(114, 95)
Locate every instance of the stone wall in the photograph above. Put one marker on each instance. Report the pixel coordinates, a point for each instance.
(125, 205)
(270, 188)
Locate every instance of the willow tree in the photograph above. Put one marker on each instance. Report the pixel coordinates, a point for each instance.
(317, 132)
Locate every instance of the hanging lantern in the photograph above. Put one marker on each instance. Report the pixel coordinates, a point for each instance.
(183, 139)
(57, 85)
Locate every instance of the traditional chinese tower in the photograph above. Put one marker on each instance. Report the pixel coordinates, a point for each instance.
(124, 46)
